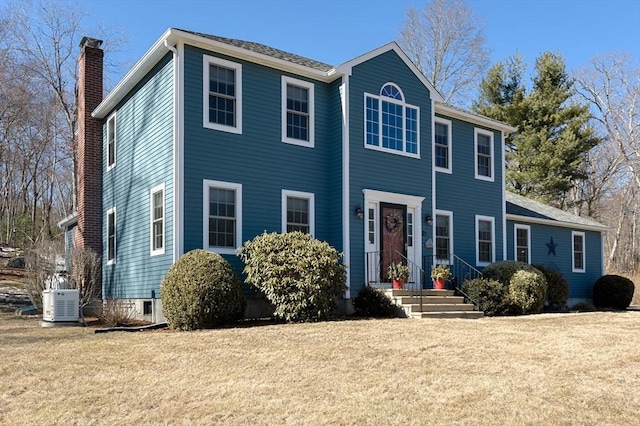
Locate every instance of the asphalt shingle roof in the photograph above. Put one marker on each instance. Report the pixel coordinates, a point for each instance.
(523, 206)
(267, 50)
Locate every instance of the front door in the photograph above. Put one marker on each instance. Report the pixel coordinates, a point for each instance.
(393, 237)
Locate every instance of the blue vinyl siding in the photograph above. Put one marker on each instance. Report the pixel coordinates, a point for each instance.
(383, 171)
(144, 159)
(258, 159)
(466, 196)
(580, 284)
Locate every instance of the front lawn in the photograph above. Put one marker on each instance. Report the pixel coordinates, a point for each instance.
(539, 369)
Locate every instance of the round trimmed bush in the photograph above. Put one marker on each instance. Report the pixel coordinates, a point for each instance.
(303, 278)
(613, 292)
(503, 270)
(488, 293)
(557, 288)
(201, 290)
(528, 291)
(372, 302)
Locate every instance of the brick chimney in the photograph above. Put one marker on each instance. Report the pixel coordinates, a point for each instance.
(89, 149)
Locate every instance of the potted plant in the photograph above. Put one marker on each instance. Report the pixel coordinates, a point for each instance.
(398, 273)
(440, 274)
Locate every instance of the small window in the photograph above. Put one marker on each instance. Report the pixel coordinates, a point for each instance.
(157, 220)
(111, 236)
(111, 142)
(391, 125)
(485, 240)
(484, 155)
(522, 243)
(578, 250)
(146, 308)
(222, 216)
(297, 112)
(371, 225)
(442, 155)
(222, 95)
(298, 212)
(443, 237)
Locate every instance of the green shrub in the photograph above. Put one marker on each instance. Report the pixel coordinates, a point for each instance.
(488, 293)
(557, 288)
(372, 302)
(301, 277)
(201, 290)
(503, 270)
(613, 292)
(528, 291)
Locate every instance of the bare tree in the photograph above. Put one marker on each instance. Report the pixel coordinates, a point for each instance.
(446, 42)
(612, 86)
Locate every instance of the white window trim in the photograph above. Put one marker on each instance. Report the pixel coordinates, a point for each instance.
(584, 252)
(475, 151)
(493, 239)
(404, 104)
(152, 192)
(516, 227)
(450, 148)
(312, 215)
(310, 87)
(450, 215)
(115, 236)
(206, 184)
(205, 89)
(115, 141)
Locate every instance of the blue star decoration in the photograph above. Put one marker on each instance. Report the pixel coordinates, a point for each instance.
(552, 247)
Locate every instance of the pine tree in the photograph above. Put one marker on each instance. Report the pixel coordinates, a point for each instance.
(545, 157)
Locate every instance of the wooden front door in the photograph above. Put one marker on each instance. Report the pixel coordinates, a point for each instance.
(393, 236)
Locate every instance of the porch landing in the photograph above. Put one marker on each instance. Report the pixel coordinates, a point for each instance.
(434, 304)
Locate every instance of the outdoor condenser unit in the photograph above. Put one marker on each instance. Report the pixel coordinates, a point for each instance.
(60, 305)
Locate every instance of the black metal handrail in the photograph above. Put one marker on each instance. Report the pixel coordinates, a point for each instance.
(460, 272)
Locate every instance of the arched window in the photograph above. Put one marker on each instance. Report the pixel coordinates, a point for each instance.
(391, 124)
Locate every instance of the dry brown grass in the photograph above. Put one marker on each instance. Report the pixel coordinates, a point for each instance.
(543, 369)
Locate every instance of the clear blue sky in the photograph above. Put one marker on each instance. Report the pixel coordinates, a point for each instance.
(335, 31)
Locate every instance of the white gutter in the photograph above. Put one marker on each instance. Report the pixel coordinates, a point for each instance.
(551, 222)
(473, 118)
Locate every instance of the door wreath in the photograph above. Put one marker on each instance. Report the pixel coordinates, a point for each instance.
(393, 223)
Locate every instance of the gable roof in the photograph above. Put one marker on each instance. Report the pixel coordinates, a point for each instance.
(528, 210)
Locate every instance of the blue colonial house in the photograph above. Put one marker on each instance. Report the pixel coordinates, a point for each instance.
(209, 141)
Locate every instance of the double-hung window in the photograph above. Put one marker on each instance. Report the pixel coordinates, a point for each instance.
(485, 240)
(297, 112)
(157, 220)
(484, 155)
(391, 125)
(298, 212)
(442, 153)
(111, 142)
(522, 243)
(578, 254)
(222, 216)
(443, 248)
(222, 102)
(111, 236)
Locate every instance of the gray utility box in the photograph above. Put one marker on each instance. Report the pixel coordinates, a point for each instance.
(60, 305)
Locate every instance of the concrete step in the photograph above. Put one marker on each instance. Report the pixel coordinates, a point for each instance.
(440, 307)
(429, 300)
(449, 314)
(426, 292)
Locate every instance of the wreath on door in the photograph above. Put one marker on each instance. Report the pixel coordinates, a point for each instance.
(393, 223)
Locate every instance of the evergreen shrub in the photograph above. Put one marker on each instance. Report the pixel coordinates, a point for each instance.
(201, 290)
(503, 270)
(557, 288)
(301, 277)
(528, 291)
(372, 302)
(613, 292)
(488, 293)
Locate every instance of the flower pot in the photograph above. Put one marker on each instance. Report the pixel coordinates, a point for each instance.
(439, 284)
(397, 284)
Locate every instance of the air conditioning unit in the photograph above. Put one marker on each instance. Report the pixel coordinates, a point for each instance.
(60, 305)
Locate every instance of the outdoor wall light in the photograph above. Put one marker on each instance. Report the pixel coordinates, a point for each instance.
(428, 219)
(359, 212)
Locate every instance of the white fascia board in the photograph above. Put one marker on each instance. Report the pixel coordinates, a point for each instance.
(480, 120)
(550, 222)
(172, 36)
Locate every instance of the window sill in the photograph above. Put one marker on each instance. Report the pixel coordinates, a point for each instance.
(392, 151)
